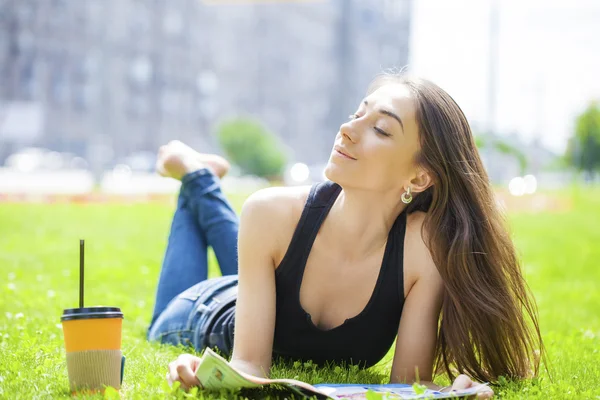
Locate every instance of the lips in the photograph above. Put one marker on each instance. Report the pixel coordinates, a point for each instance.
(343, 152)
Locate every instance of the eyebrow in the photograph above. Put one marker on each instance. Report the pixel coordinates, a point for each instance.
(389, 114)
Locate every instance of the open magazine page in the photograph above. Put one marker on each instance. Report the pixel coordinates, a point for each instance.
(389, 392)
(215, 373)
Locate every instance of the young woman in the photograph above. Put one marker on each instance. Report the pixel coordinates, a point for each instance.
(403, 241)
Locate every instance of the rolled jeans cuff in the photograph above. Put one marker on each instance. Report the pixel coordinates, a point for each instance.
(199, 182)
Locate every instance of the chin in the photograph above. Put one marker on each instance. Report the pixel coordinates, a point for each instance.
(350, 178)
(335, 173)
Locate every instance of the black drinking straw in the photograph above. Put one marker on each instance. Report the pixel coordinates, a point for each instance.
(81, 248)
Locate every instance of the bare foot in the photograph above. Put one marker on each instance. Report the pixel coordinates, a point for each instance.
(177, 159)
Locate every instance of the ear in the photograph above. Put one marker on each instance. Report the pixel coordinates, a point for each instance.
(421, 182)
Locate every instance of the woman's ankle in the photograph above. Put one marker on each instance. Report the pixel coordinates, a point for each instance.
(177, 166)
(177, 159)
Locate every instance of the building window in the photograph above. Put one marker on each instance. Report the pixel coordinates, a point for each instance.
(83, 96)
(393, 9)
(139, 105)
(59, 83)
(170, 103)
(141, 71)
(27, 83)
(140, 19)
(25, 13)
(96, 16)
(60, 14)
(173, 23)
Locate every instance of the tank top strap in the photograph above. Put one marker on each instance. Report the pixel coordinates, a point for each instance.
(320, 200)
(395, 258)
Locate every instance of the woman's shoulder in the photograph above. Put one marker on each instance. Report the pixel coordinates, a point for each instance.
(276, 210)
(418, 260)
(278, 201)
(415, 231)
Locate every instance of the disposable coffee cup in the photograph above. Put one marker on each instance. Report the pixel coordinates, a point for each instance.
(93, 345)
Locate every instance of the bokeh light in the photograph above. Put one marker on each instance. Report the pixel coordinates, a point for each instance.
(299, 172)
(516, 187)
(530, 184)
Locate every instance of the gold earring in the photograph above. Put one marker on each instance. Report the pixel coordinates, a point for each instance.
(404, 197)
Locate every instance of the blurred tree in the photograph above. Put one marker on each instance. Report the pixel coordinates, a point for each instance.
(583, 149)
(503, 147)
(250, 146)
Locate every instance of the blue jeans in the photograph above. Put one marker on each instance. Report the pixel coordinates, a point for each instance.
(185, 298)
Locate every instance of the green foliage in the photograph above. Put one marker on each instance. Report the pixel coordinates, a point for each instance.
(504, 148)
(371, 395)
(418, 388)
(251, 147)
(583, 150)
(124, 248)
(479, 141)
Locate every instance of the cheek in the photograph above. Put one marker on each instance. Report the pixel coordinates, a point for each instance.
(388, 158)
(393, 165)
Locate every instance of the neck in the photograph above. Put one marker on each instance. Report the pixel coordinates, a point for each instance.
(361, 220)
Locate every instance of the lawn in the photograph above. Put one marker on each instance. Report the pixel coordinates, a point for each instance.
(124, 243)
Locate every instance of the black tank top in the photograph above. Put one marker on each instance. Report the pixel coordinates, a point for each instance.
(363, 339)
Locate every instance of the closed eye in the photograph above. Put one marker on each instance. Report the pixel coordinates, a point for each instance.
(381, 131)
(378, 130)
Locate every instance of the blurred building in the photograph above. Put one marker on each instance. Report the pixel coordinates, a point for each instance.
(105, 78)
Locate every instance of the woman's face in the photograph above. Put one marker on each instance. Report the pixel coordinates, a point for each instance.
(375, 149)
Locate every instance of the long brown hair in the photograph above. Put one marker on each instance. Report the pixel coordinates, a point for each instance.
(488, 325)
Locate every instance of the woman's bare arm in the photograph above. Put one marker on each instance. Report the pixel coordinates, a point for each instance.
(417, 332)
(263, 217)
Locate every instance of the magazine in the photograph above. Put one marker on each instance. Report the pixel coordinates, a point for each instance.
(215, 373)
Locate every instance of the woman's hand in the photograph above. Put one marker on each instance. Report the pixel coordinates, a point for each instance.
(183, 370)
(464, 382)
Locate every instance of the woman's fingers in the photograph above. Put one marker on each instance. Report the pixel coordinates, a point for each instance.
(172, 375)
(182, 371)
(485, 394)
(188, 379)
(462, 382)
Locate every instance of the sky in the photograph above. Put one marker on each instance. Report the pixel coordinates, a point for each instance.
(547, 63)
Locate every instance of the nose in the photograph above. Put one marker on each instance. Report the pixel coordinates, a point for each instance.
(348, 131)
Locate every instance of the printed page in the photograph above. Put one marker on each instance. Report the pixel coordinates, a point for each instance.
(392, 391)
(215, 373)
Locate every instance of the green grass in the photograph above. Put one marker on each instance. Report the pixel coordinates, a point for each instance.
(124, 246)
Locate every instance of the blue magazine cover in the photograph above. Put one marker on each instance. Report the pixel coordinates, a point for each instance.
(389, 392)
